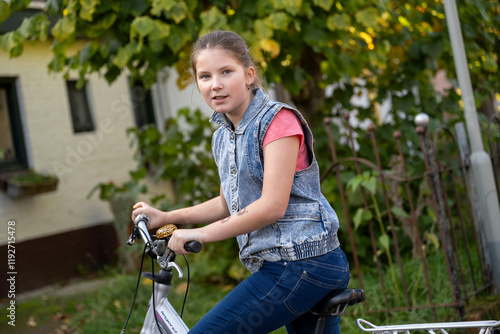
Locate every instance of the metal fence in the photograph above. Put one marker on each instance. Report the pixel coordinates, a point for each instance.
(411, 209)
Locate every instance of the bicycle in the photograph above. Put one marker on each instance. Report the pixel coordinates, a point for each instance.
(485, 327)
(161, 316)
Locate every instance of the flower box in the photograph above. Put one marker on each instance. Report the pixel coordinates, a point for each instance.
(23, 185)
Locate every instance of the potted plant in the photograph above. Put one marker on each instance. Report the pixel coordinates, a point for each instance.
(30, 183)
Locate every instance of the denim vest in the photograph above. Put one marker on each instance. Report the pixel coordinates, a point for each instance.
(309, 226)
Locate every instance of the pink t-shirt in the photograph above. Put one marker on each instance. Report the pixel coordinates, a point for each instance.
(287, 124)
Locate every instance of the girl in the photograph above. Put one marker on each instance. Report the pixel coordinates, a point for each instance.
(270, 199)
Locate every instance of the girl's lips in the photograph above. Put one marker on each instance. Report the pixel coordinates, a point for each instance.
(219, 98)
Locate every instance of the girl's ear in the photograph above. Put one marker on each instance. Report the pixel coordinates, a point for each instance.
(250, 75)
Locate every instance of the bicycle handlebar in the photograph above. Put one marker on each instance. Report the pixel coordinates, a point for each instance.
(142, 222)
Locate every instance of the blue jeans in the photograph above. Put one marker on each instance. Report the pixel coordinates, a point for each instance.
(279, 294)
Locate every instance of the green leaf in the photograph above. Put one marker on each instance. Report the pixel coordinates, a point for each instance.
(12, 42)
(124, 54)
(338, 22)
(51, 7)
(35, 27)
(399, 212)
(19, 4)
(178, 12)
(63, 29)
(384, 241)
(104, 23)
(278, 21)
(370, 184)
(141, 26)
(262, 30)
(161, 6)
(179, 36)
(354, 183)
(489, 63)
(433, 49)
(212, 19)
(161, 30)
(86, 52)
(291, 6)
(4, 11)
(368, 17)
(88, 8)
(325, 4)
(361, 216)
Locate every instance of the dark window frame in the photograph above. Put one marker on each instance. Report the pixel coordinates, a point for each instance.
(142, 104)
(81, 114)
(16, 128)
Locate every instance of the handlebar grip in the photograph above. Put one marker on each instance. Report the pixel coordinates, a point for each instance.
(193, 246)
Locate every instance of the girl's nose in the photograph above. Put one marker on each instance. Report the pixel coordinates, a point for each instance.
(216, 83)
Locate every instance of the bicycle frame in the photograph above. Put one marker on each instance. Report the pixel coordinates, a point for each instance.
(168, 319)
(161, 317)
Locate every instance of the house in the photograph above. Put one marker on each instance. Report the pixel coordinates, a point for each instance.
(49, 125)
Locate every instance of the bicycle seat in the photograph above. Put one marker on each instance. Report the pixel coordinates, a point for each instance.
(335, 303)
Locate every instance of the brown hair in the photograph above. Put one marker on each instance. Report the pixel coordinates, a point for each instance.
(229, 42)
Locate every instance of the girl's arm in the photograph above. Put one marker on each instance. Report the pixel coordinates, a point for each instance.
(203, 213)
(280, 159)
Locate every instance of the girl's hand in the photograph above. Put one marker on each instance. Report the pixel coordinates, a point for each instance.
(156, 217)
(180, 237)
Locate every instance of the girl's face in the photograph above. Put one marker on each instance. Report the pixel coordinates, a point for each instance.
(223, 83)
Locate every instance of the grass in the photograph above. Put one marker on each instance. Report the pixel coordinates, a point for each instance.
(105, 309)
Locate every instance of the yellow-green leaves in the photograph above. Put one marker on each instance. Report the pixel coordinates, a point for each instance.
(141, 26)
(160, 30)
(212, 19)
(12, 42)
(291, 6)
(338, 22)
(278, 21)
(325, 4)
(262, 30)
(145, 26)
(4, 11)
(88, 8)
(63, 29)
(124, 54)
(175, 9)
(489, 63)
(368, 17)
(270, 46)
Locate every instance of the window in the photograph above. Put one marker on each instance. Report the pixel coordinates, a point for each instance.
(12, 148)
(142, 103)
(79, 106)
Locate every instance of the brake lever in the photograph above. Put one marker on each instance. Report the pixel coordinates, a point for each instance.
(131, 239)
(176, 266)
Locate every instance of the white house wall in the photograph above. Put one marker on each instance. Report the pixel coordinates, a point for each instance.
(80, 160)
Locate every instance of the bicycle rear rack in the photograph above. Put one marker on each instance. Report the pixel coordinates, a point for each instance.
(485, 327)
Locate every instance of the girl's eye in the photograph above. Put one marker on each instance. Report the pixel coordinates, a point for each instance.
(227, 72)
(204, 76)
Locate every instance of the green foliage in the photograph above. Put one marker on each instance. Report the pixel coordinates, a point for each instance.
(110, 190)
(303, 44)
(181, 154)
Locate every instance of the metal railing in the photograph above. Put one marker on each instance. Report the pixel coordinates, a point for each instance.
(409, 201)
